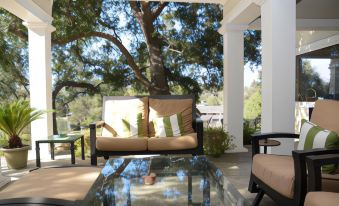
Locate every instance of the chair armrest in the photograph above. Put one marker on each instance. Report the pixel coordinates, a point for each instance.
(97, 124)
(198, 127)
(299, 159)
(314, 164)
(93, 134)
(258, 136)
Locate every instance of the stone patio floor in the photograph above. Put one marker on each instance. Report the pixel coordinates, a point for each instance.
(235, 166)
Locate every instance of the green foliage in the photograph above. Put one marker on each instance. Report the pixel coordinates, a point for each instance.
(212, 98)
(86, 133)
(85, 110)
(248, 130)
(252, 106)
(216, 141)
(252, 51)
(191, 49)
(14, 117)
(311, 86)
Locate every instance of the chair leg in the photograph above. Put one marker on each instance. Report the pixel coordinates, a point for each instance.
(94, 160)
(258, 198)
(252, 186)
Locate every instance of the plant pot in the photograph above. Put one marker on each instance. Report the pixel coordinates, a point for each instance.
(16, 158)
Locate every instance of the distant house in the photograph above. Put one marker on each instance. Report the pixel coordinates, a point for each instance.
(212, 116)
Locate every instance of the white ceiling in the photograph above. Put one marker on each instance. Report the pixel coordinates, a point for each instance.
(318, 9)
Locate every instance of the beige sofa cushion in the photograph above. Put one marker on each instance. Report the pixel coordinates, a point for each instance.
(167, 107)
(121, 144)
(188, 141)
(72, 183)
(277, 171)
(117, 107)
(325, 114)
(321, 199)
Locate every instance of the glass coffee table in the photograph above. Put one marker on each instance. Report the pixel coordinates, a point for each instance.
(162, 181)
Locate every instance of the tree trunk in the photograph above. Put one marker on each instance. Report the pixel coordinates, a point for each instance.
(146, 17)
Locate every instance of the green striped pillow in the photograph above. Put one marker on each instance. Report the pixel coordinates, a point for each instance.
(170, 126)
(129, 126)
(313, 136)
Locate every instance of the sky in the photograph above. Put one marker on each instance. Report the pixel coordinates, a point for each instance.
(321, 66)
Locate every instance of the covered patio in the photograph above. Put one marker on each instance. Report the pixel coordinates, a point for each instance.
(289, 28)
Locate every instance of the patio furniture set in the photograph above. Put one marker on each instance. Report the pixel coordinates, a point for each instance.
(175, 178)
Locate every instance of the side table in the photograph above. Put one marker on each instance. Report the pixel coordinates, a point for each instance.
(268, 143)
(61, 139)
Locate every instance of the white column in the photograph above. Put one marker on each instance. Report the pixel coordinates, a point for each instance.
(278, 25)
(234, 83)
(40, 77)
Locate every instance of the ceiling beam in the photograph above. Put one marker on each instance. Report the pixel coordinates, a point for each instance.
(27, 10)
(307, 24)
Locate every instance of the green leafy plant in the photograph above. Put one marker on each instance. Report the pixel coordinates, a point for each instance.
(216, 141)
(248, 131)
(14, 117)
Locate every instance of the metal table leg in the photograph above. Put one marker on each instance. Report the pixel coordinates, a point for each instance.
(37, 150)
(52, 150)
(72, 153)
(83, 148)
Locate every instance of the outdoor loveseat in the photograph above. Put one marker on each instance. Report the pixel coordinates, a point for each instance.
(284, 178)
(138, 115)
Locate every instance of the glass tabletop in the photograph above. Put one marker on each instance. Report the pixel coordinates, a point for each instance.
(162, 181)
(61, 138)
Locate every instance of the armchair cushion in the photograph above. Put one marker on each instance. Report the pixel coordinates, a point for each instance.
(121, 144)
(277, 171)
(170, 126)
(330, 183)
(188, 141)
(116, 107)
(168, 107)
(325, 114)
(129, 126)
(321, 198)
(313, 136)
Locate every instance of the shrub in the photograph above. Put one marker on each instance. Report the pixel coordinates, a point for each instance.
(216, 141)
(87, 145)
(248, 131)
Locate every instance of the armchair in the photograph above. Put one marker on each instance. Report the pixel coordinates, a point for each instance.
(284, 178)
(316, 195)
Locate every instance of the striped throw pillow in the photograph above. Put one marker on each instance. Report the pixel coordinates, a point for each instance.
(129, 126)
(313, 136)
(170, 126)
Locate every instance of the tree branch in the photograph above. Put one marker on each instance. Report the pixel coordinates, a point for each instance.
(61, 84)
(128, 56)
(157, 12)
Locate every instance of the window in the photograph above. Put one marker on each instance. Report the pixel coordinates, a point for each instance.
(318, 75)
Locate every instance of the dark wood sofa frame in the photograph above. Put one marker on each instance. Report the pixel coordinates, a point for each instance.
(197, 125)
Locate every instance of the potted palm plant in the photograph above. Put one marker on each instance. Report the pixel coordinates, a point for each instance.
(14, 117)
